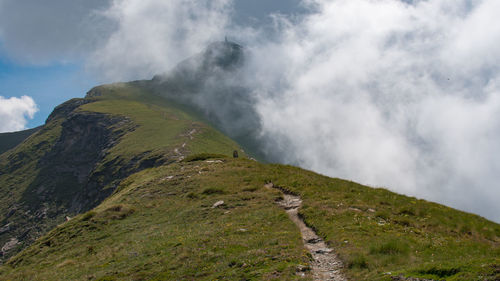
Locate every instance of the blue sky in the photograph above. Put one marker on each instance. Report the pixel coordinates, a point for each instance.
(48, 85)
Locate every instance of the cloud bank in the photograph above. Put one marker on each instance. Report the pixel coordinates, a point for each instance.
(14, 113)
(389, 93)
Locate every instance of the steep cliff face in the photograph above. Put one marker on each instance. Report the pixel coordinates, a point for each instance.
(66, 174)
(52, 176)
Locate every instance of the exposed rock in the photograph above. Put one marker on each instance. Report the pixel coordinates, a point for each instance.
(9, 245)
(402, 278)
(218, 204)
(71, 174)
(5, 228)
(214, 161)
(326, 266)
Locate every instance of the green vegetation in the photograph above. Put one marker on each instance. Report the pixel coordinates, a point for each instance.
(11, 140)
(376, 231)
(161, 225)
(155, 229)
(162, 124)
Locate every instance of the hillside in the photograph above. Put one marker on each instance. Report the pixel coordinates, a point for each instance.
(86, 147)
(160, 224)
(137, 181)
(11, 140)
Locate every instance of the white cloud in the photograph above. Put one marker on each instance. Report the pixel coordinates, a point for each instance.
(152, 36)
(387, 93)
(14, 113)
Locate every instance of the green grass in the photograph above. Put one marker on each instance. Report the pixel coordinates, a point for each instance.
(376, 231)
(162, 125)
(161, 225)
(154, 230)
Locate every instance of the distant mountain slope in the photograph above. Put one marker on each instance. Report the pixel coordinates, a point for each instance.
(82, 153)
(10, 140)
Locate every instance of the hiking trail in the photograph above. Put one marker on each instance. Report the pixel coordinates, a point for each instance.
(326, 266)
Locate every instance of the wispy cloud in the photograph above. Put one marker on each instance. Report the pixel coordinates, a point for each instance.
(152, 36)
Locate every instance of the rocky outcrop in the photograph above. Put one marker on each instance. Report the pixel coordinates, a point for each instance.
(66, 170)
(72, 172)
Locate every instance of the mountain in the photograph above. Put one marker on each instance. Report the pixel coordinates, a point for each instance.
(137, 181)
(11, 140)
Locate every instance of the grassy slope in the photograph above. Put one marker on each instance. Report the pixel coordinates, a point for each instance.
(25, 158)
(376, 231)
(160, 132)
(11, 140)
(157, 227)
(161, 125)
(160, 227)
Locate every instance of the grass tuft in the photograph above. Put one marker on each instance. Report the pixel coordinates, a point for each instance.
(88, 215)
(358, 261)
(392, 247)
(212, 191)
(385, 215)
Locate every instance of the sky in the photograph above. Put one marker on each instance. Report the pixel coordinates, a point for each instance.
(45, 49)
(390, 93)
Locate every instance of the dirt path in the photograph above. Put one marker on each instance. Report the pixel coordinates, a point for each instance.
(326, 266)
(179, 150)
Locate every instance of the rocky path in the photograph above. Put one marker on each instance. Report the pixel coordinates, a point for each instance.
(179, 150)
(326, 266)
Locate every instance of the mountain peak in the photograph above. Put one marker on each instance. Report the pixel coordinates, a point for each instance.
(223, 54)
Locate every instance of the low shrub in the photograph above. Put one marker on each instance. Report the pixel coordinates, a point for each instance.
(440, 272)
(88, 215)
(203, 156)
(212, 190)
